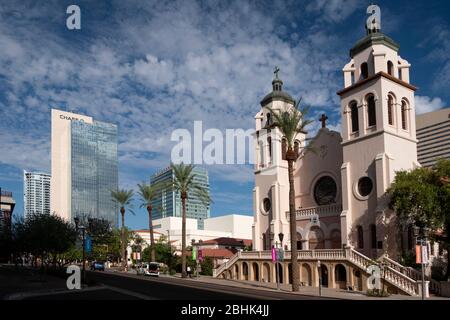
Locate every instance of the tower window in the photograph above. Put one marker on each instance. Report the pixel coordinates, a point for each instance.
(390, 110)
(364, 71)
(269, 142)
(354, 116)
(390, 68)
(371, 111)
(404, 120)
(360, 232)
(373, 236)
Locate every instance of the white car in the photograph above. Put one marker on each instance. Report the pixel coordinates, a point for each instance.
(149, 269)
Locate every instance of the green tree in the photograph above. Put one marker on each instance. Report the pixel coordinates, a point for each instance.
(124, 199)
(207, 266)
(421, 197)
(291, 123)
(148, 193)
(45, 236)
(185, 184)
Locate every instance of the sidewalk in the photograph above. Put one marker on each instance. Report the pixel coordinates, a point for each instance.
(308, 291)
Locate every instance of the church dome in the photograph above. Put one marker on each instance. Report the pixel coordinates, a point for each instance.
(277, 92)
(371, 39)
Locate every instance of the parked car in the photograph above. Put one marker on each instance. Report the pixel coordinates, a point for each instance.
(98, 265)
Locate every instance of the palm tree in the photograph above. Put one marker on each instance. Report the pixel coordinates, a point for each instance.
(148, 193)
(124, 199)
(290, 123)
(184, 183)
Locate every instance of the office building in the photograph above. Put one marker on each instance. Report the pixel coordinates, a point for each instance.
(433, 133)
(84, 167)
(169, 204)
(7, 204)
(36, 193)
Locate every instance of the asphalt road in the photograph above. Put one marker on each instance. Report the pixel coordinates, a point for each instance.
(168, 288)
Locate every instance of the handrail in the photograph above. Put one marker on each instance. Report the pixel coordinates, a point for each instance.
(412, 273)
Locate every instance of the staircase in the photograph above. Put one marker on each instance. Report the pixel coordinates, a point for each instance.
(404, 279)
(434, 286)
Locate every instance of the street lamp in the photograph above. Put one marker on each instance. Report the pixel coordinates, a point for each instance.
(319, 269)
(421, 235)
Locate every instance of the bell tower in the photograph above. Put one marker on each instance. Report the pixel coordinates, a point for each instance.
(270, 202)
(379, 137)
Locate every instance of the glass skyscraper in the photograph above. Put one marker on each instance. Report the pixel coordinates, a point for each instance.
(169, 203)
(94, 170)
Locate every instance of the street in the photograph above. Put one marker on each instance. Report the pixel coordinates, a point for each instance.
(125, 286)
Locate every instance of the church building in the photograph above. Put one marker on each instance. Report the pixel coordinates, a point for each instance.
(340, 186)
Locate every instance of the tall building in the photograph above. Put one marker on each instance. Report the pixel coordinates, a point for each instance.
(7, 204)
(84, 167)
(169, 204)
(433, 133)
(36, 193)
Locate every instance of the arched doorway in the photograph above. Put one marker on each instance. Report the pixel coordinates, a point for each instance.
(245, 270)
(290, 273)
(357, 280)
(324, 275)
(266, 273)
(306, 276)
(236, 272)
(340, 277)
(316, 238)
(299, 241)
(280, 272)
(255, 271)
(335, 237)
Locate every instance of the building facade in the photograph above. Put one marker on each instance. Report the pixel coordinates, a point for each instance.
(84, 167)
(433, 133)
(36, 193)
(225, 227)
(169, 204)
(7, 204)
(340, 188)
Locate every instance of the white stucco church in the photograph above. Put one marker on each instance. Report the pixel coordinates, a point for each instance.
(340, 187)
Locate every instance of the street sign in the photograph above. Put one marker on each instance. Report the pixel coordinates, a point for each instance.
(88, 244)
(194, 253)
(281, 254)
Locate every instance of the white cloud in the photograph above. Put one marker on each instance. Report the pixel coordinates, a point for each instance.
(426, 104)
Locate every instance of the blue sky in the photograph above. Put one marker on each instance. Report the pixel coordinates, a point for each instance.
(154, 66)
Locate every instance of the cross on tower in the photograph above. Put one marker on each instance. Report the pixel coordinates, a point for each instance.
(276, 72)
(323, 119)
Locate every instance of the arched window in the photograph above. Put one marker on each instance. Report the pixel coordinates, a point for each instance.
(360, 232)
(390, 110)
(269, 120)
(364, 71)
(371, 113)
(269, 142)
(283, 148)
(390, 68)
(373, 236)
(354, 116)
(297, 147)
(404, 115)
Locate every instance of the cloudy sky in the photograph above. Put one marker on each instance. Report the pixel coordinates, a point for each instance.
(155, 66)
